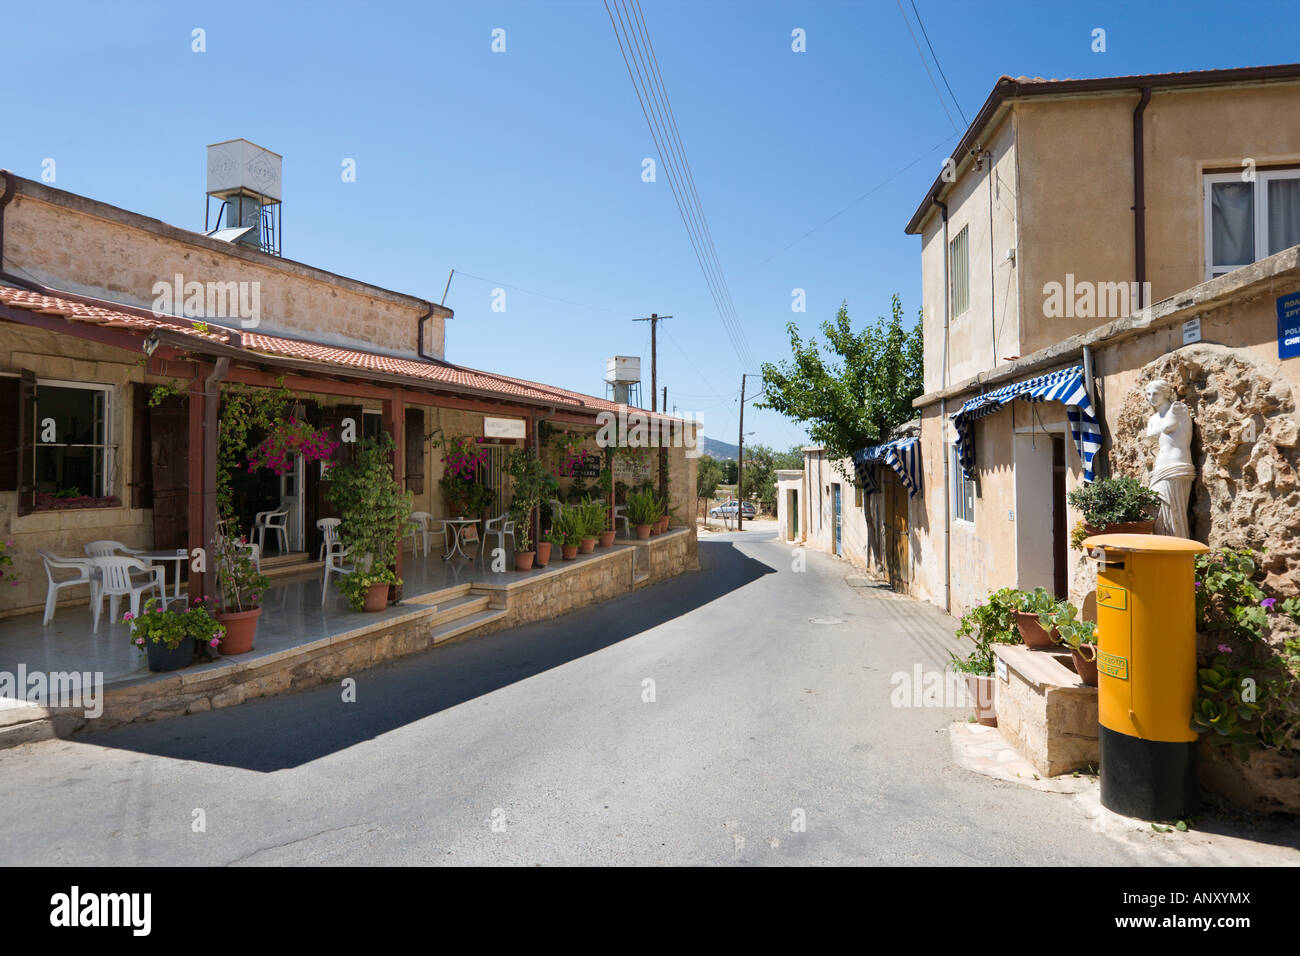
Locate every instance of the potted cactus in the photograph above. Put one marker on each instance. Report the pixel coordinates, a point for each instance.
(1034, 611)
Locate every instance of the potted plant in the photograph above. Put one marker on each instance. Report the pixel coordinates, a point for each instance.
(1081, 638)
(986, 624)
(522, 515)
(592, 515)
(642, 511)
(532, 483)
(667, 515)
(549, 540)
(169, 637)
(1116, 506)
(373, 511)
(240, 587)
(1034, 610)
(569, 528)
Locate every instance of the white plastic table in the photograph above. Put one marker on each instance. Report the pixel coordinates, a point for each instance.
(159, 557)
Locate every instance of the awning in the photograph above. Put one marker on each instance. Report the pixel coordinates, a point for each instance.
(902, 454)
(1065, 386)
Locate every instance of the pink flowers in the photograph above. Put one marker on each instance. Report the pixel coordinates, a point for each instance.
(462, 457)
(128, 616)
(1268, 603)
(280, 449)
(1225, 649)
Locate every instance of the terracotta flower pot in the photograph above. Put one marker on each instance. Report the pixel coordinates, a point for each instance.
(543, 553)
(1127, 527)
(588, 545)
(1031, 632)
(1086, 666)
(606, 538)
(980, 690)
(663, 524)
(164, 658)
(241, 629)
(643, 531)
(569, 551)
(524, 560)
(377, 597)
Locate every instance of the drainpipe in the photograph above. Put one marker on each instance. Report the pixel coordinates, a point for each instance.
(993, 259)
(419, 335)
(1139, 198)
(943, 426)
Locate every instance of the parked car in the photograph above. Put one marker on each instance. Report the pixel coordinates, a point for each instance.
(728, 509)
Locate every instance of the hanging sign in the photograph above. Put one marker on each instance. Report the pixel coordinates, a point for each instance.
(505, 428)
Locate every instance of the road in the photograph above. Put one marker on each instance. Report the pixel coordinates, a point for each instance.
(771, 708)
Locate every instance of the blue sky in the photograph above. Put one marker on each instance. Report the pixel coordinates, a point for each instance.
(524, 167)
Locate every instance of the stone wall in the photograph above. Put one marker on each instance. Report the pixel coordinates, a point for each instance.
(1245, 445)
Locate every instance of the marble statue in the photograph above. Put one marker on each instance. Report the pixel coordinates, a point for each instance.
(1174, 471)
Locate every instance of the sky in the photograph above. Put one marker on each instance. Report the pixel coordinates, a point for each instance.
(522, 169)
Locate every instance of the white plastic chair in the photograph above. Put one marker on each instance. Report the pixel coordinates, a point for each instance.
(334, 565)
(329, 528)
(619, 516)
(254, 550)
(85, 575)
(498, 527)
(421, 529)
(276, 520)
(116, 581)
(109, 549)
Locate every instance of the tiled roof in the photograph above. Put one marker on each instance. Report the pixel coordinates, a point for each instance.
(332, 358)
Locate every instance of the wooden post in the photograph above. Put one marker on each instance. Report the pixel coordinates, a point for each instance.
(395, 423)
(199, 581)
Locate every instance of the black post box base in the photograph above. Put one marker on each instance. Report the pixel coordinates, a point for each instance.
(1147, 779)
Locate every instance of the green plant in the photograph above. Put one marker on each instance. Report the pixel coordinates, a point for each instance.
(1227, 597)
(1108, 501)
(356, 584)
(73, 492)
(1078, 534)
(570, 528)
(160, 393)
(993, 622)
(158, 625)
(1037, 601)
(462, 456)
(593, 515)
(372, 506)
(643, 507)
(240, 585)
(1226, 700)
(7, 562)
(245, 411)
(532, 483)
(554, 538)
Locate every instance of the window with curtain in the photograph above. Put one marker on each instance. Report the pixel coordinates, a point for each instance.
(1246, 221)
(963, 492)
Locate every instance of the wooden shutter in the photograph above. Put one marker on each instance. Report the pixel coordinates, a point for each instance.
(141, 440)
(10, 431)
(347, 452)
(26, 424)
(415, 450)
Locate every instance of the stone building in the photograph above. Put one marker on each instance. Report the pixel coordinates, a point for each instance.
(1084, 238)
(99, 306)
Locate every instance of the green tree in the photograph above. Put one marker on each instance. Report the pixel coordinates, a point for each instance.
(760, 476)
(708, 475)
(859, 392)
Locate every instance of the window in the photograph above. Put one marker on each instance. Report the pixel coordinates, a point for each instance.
(71, 440)
(1247, 221)
(963, 492)
(959, 271)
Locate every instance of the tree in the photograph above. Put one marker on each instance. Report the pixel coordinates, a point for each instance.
(760, 476)
(708, 475)
(860, 392)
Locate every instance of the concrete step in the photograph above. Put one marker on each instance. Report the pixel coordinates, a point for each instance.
(438, 598)
(459, 626)
(458, 608)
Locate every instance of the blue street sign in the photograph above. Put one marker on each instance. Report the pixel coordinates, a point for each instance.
(1288, 325)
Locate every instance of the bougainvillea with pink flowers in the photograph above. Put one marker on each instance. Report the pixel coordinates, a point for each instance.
(286, 441)
(462, 457)
(570, 455)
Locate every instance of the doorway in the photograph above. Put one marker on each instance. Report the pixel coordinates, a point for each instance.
(839, 520)
(792, 515)
(894, 499)
(1042, 538)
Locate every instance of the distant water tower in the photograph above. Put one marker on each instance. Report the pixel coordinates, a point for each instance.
(623, 380)
(245, 179)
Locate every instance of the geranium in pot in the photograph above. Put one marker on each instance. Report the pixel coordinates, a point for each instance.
(373, 512)
(240, 587)
(569, 528)
(1116, 506)
(169, 637)
(549, 540)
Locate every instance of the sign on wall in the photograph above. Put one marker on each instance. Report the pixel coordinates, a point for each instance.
(1288, 326)
(505, 428)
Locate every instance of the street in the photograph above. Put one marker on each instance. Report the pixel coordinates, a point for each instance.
(766, 737)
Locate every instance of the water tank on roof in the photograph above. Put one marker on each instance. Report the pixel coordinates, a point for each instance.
(623, 369)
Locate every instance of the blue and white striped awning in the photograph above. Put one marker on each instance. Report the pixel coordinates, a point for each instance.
(1065, 386)
(902, 454)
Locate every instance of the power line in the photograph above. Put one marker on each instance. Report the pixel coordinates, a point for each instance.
(647, 82)
(937, 65)
(543, 295)
(908, 24)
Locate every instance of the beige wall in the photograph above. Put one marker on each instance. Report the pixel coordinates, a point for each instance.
(78, 245)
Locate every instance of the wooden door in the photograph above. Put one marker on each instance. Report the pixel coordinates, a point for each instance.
(1060, 559)
(897, 559)
(169, 460)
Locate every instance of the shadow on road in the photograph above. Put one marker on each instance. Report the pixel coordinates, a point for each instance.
(293, 729)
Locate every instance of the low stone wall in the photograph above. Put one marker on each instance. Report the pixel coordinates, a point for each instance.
(595, 580)
(1045, 712)
(666, 555)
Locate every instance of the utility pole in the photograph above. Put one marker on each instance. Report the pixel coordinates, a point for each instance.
(654, 319)
(740, 462)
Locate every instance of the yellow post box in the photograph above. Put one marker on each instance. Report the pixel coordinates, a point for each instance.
(1146, 673)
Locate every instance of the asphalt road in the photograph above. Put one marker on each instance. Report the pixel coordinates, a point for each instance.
(771, 706)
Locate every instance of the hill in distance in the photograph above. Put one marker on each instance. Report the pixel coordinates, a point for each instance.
(717, 449)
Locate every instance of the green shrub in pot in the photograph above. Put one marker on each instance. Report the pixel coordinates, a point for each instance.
(1109, 501)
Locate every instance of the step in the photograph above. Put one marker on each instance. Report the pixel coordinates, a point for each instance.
(450, 629)
(458, 608)
(275, 571)
(438, 598)
(640, 579)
